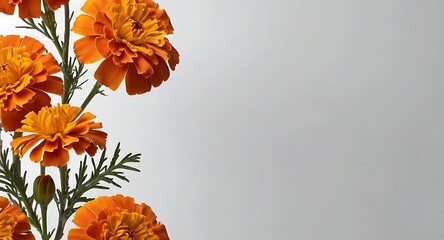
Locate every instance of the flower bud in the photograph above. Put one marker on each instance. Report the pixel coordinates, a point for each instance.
(44, 189)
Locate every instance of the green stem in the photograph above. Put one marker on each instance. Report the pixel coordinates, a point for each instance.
(49, 21)
(44, 222)
(67, 32)
(94, 91)
(62, 208)
(42, 169)
(30, 211)
(65, 56)
(15, 158)
(44, 210)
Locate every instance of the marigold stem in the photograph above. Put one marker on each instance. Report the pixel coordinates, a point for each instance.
(62, 211)
(65, 56)
(15, 158)
(42, 169)
(66, 35)
(44, 210)
(29, 209)
(94, 91)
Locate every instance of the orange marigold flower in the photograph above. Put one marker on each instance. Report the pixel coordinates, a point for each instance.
(55, 130)
(28, 8)
(130, 35)
(14, 223)
(25, 79)
(116, 217)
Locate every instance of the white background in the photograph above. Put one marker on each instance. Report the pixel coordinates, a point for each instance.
(309, 120)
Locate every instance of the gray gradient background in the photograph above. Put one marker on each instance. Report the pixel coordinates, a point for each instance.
(311, 120)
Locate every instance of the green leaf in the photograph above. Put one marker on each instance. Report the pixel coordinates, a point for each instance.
(104, 173)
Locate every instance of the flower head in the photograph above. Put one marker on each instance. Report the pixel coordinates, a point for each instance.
(116, 217)
(130, 35)
(55, 130)
(28, 8)
(25, 78)
(14, 223)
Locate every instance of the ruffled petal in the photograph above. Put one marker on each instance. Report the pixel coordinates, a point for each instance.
(102, 46)
(83, 25)
(50, 63)
(93, 7)
(6, 7)
(55, 131)
(11, 120)
(109, 74)
(58, 158)
(52, 84)
(115, 212)
(136, 83)
(56, 4)
(79, 234)
(86, 51)
(32, 45)
(37, 152)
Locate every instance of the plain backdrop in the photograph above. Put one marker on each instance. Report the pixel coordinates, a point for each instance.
(311, 120)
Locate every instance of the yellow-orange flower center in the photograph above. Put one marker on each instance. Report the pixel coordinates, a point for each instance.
(53, 121)
(7, 225)
(126, 226)
(134, 26)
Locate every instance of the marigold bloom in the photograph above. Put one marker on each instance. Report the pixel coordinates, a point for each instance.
(130, 35)
(55, 130)
(116, 217)
(25, 78)
(14, 223)
(28, 8)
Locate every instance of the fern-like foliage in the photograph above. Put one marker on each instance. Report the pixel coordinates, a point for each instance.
(15, 186)
(104, 173)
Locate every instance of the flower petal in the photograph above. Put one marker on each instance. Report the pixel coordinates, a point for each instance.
(104, 216)
(52, 84)
(98, 137)
(161, 73)
(58, 158)
(56, 4)
(6, 7)
(30, 9)
(37, 152)
(102, 46)
(11, 120)
(109, 74)
(14, 222)
(86, 51)
(136, 83)
(143, 66)
(92, 7)
(50, 63)
(32, 45)
(83, 25)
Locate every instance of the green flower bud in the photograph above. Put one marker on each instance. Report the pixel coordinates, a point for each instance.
(44, 189)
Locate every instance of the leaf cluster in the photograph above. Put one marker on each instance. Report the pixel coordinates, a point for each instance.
(103, 174)
(15, 186)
